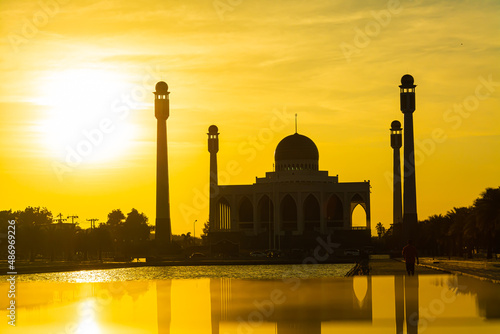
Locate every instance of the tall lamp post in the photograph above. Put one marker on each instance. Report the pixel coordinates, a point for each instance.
(194, 231)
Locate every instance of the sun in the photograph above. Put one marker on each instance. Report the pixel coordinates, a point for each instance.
(86, 120)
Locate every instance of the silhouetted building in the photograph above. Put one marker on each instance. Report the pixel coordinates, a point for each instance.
(289, 207)
(163, 234)
(407, 97)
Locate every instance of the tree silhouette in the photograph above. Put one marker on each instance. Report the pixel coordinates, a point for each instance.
(456, 231)
(487, 208)
(135, 227)
(5, 216)
(115, 217)
(187, 239)
(380, 229)
(31, 235)
(135, 233)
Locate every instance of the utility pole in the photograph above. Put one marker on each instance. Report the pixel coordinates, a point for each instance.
(92, 222)
(61, 219)
(72, 219)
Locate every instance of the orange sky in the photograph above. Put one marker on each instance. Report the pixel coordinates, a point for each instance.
(79, 75)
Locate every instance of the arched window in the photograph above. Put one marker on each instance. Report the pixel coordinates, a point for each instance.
(223, 215)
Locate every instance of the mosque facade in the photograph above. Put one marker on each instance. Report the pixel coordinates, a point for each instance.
(291, 206)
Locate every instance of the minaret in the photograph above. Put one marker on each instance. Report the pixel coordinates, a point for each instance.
(407, 96)
(396, 142)
(162, 110)
(213, 148)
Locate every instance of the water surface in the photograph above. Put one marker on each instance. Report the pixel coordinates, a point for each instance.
(250, 300)
(189, 272)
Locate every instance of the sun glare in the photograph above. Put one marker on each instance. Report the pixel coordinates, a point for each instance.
(88, 323)
(85, 118)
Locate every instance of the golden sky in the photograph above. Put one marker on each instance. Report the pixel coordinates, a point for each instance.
(77, 76)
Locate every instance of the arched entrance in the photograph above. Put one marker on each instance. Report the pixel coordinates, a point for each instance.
(311, 213)
(265, 213)
(359, 216)
(245, 214)
(288, 216)
(334, 212)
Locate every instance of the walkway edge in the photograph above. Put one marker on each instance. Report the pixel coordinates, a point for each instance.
(456, 272)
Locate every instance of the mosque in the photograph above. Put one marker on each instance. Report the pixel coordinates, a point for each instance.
(291, 206)
(288, 209)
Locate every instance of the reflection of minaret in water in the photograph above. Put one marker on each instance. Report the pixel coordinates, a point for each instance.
(411, 304)
(406, 293)
(213, 148)
(163, 234)
(407, 97)
(163, 302)
(399, 293)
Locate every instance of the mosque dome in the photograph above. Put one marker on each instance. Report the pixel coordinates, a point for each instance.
(296, 152)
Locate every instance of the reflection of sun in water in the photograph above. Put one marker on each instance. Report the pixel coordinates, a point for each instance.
(88, 120)
(88, 323)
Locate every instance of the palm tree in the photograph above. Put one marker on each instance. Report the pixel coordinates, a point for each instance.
(436, 228)
(487, 208)
(380, 229)
(458, 218)
(471, 236)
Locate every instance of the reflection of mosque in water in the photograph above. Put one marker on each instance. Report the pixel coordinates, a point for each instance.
(295, 306)
(291, 306)
(301, 306)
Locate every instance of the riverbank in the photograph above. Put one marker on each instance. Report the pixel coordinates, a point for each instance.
(482, 269)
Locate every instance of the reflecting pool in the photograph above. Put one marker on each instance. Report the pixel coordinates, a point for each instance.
(286, 305)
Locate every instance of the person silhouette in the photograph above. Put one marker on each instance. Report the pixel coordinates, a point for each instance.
(410, 254)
